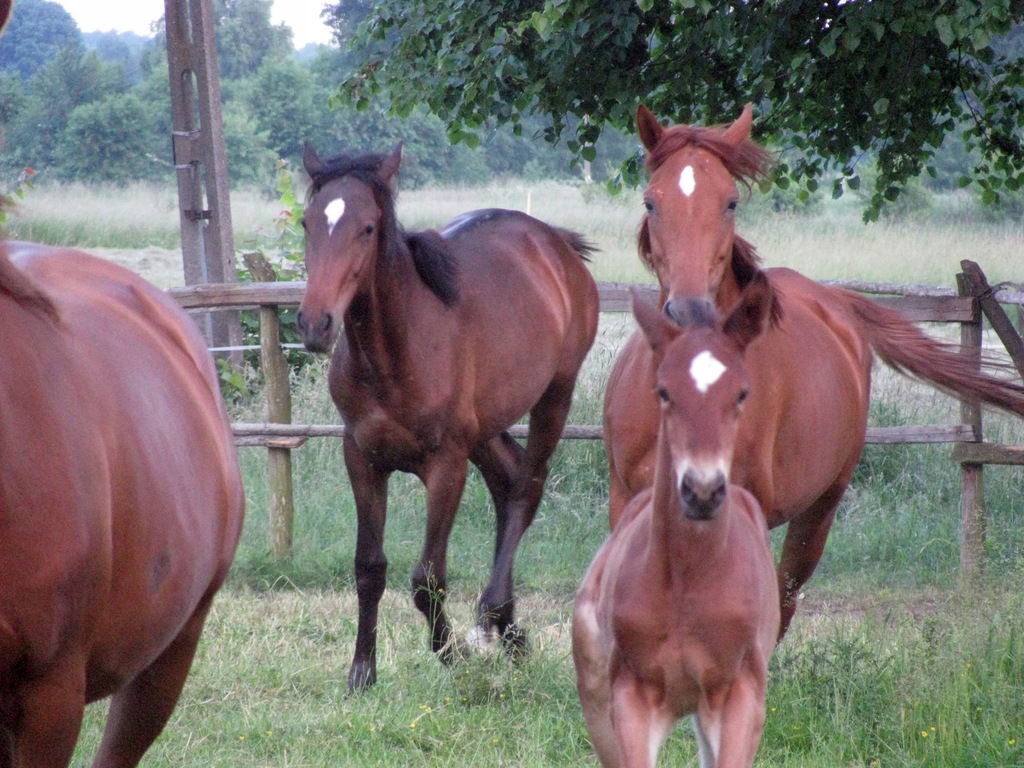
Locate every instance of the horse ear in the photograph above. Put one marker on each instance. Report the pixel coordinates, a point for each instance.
(648, 127)
(751, 316)
(658, 329)
(5, 12)
(739, 131)
(311, 161)
(389, 167)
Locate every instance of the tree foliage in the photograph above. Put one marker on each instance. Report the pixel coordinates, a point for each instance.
(246, 37)
(833, 81)
(38, 29)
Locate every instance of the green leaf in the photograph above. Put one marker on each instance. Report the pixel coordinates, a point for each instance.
(944, 27)
(828, 45)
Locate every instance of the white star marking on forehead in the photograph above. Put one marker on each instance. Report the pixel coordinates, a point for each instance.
(333, 212)
(705, 370)
(686, 181)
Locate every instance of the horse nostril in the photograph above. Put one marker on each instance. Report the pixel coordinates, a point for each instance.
(325, 323)
(685, 313)
(702, 496)
(301, 323)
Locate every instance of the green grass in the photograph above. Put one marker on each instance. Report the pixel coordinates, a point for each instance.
(888, 662)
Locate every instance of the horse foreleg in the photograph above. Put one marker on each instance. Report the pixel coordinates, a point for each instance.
(741, 719)
(641, 725)
(43, 720)
(140, 710)
(445, 480)
(370, 488)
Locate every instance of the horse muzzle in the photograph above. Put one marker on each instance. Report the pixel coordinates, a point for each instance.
(702, 494)
(692, 313)
(318, 336)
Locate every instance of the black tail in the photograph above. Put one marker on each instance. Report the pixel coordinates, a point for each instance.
(577, 242)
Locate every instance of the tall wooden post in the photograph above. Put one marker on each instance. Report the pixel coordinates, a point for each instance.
(277, 385)
(200, 158)
(972, 496)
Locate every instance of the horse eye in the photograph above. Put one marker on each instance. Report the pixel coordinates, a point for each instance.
(742, 396)
(368, 230)
(732, 205)
(663, 395)
(649, 206)
(302, 221)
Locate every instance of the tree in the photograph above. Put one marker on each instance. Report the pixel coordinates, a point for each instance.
(106, 141)
(38, 29)
(246, 37)
(67, 81)
(287, 104)
(833, 81)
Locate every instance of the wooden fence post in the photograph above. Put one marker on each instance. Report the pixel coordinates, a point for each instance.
(972, 496)
(279, 411)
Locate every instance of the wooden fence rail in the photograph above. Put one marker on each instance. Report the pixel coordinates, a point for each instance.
(973, 300)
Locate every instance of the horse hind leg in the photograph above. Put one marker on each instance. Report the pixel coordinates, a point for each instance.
(802, 548)
(445, 480)
(140, 711)
(547, 419)
(500, 461)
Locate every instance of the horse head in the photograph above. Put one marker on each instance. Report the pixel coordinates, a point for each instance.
(349, 218)
(688, 237)
(701, 383)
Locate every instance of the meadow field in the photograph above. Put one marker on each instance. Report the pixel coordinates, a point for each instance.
(889, 662)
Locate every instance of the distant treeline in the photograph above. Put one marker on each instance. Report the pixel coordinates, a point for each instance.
(96, 108)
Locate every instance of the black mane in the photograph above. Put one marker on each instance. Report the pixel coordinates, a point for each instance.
(433, 259)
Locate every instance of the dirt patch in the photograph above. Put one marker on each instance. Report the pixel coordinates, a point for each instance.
(161, 266)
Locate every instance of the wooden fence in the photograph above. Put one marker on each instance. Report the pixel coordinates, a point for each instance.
(974, 300)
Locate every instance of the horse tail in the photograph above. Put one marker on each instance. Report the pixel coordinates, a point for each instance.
(17, 285)
(577, 242)
(910, 351)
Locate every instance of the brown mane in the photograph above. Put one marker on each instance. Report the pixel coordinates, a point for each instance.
(749, 163)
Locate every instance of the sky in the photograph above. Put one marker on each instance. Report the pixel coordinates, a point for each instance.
(303, 16)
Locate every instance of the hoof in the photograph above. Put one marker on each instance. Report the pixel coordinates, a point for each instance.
(481, 639)
(453, 651)
(361, 677)
(514, 642)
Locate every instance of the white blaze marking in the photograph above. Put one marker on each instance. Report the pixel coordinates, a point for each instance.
(686, 181)
(705, 370)
(333, 213)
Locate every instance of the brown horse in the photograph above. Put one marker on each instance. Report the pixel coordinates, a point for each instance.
(120, 503)
(679, 611)
(803, 430)
(448, 340)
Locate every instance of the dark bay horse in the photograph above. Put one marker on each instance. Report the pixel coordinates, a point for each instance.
(679, 611)
(447, 340)
(120, 503)
(803, 430)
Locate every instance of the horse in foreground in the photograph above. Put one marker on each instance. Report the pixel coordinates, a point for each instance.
(803, 431)
(120, 503)
(679, 612)
(448, 339)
